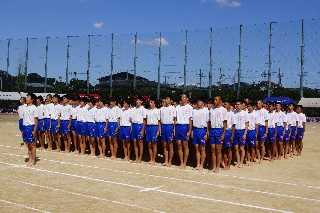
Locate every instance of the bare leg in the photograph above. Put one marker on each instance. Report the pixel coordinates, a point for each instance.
(154, 145)
(140, 143)
(170, 153)
(180, 153)
(263, 151)
(242, 153)
(136, 150)
(115, 148)
(219, 156)
(196, 146)
(236, 149)
(213, 157)
(165, 153)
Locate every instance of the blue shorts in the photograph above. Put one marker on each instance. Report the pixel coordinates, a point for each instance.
(111, 130)
(280, 133)
(237, 140)
(73, 127)
(299, 134)
(227, 139)
(64, 127)
(135, 132)
(251, 138)
(181, 132)
(215, 136)
(293, 130)
(261, 132)
(21, 124)
(124, 133)
(286, 137)
(46, 124)
(271, 135)
(53, 129)
(27, 134)
(167, 132)
(99, 130)
(198, 136)
(40, 125)
(151, 133)
(90, 129)
(81, 128)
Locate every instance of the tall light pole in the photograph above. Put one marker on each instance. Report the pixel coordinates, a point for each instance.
(302, 60)
(239, 63)
(185, 64)
(88, 90)
(159, 69)
(8, 55)
(135, 62)
(111, 66)
(210, 73)
(270, 63)
(68, 57)
(46, 66)
(26, 67)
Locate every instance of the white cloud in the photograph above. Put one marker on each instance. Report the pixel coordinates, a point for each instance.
(224, 3)
(152, 42)
(98, 25)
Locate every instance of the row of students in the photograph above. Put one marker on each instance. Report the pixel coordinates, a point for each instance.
(240, 133)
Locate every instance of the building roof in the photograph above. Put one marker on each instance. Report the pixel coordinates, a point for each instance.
(310, 102)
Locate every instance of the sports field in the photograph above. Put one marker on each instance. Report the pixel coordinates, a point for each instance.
(71, 183)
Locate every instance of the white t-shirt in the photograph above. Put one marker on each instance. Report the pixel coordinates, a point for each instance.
(65, 112)
(138, 114)
(253, 120)
(56, 112)
(101, 114)
(75, 111)
(301, 119)
(125, 117)
(153, 116)
(114, 114)
(217, 116)
(241, 118)
(282, 118)
(183, 113)
(29, 113)
(167, 114)
(20, 110)
(82, 114)
(200, 117)
(272, 120)
(292, 118)
(91, 115)
(40, 111)
(230, 120)
(262, 116)
(48, 109)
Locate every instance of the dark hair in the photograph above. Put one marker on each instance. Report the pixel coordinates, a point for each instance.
(300, 106)
(84, 99)
(113, 99)
(168, 96)
(56, 96)
(66, 96)
(128, 101)
(153, 99)
(291, 103)
(92, 100)
(33, 97)
(40, 98)
(49, 95)
(210, 101)
(203, 99)
(185, 93)
(240, 101)
(251, 104)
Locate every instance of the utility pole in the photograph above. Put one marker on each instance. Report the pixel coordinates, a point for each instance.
(88, 70)
(279, 78)
(159, 69)
(270, 63)
(46, 67)
(210, 73)
(26, 67)
(135, 62)
(302, 60)
(111, 66)
(185, 64)
(68, 56)
(200, 74)
(8, 55)
(239, 63)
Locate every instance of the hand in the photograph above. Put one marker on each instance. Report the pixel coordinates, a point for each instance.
(158, 133)
(244, 137)
(142, 132)
(68, 127)
(104, 130)
(265, 135)
(34, 133)
(188, 135)
(231, 139)
(58, 126)
(222, 138)
(206, 136)
(116, 130)
(295, 132)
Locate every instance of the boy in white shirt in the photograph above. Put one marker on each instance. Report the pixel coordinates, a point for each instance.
(262, 130)
(152, 129)
(65, 122)
(301, 129)
(48, 109)
(101, 120)
(240, 134)
(228, 139)
(82, 125)
(55, 116)
(217, 127)
(40, 131)
(167, 115)
(293, 122)
(138, 128)
(113, 127)
(20, 112)
(183, 128)
(30, 125)
(272, 132)
(125, 128)
(200, 121)
(75, 107)
(91, 125)
(281, 130)
(252, 132)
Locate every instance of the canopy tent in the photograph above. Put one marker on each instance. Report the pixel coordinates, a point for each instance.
(282, 100)
(310, 102)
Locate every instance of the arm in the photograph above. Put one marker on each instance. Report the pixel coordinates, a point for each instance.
(245, 131)
(232, 134)
(224, 130)
(190, 128)
(34, 132)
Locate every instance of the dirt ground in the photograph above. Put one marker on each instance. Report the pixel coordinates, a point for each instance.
(68, 183)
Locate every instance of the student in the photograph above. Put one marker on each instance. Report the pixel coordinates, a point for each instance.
(125, 128)
(55, 116)
(20, 112)
(262, 130)
(65, 122)
(138, 128)
(152, 129)
(167, 115)
(272, 132)
(91, 125)
(200, 121)
(40, 130)
(228, 139)
(30, 125)
(286, 137)
(183, 128)
(82, 125)
(217, 127)
(281, 130)
(48, 109)
(113, 127)
(252, 132)
(101, 120)
(301, 129)
(240, 134)
(293, 122)
(73, 128)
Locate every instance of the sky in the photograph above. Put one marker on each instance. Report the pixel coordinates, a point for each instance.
(20, 19)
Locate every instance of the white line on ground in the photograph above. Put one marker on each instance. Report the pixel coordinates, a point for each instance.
(144, 188)
(83, 195)
(22, 206)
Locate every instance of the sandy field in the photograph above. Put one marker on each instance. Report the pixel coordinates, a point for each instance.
(71, 183)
